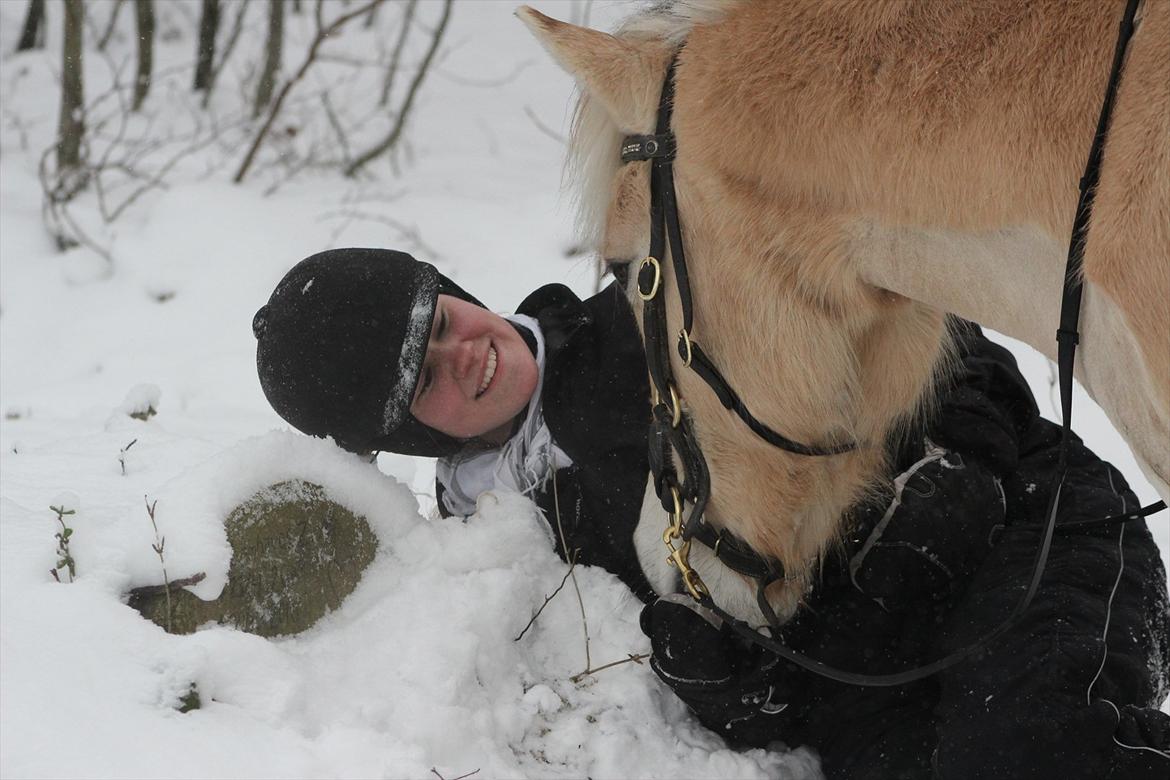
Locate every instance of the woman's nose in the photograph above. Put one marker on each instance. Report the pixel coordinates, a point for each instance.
(462, 359)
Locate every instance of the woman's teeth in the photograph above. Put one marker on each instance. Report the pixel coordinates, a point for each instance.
(489, 372)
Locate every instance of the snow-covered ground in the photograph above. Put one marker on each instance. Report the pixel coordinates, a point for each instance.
(418, 669)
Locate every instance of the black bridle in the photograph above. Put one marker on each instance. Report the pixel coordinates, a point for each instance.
(670, 429)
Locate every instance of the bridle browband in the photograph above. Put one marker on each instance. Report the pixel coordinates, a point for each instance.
(670, 429)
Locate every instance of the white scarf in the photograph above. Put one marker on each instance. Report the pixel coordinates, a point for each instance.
(522, 464)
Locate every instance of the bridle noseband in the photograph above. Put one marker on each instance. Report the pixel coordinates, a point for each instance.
(671, 429)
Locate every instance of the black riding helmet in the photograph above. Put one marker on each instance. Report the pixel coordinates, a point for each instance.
(340, 345)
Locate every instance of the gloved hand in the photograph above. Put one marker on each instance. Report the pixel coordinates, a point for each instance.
(736, 690)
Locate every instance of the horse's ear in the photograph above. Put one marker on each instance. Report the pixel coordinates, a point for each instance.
(624, 75)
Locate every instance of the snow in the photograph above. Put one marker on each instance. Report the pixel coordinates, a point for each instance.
(419, 668)
(141, 400)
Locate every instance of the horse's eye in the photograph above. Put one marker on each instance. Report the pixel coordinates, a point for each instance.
(620, 270)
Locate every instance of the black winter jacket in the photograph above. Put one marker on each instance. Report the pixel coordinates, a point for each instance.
(595, 401)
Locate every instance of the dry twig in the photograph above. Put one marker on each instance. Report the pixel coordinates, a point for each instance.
(396, 55)
(323, 32)
(542, 127)
(572, 575)
(228, 47)
(158, 547)
(122, 455)
(547, 599)
(637, 658)
(461, 777)
(400, 121)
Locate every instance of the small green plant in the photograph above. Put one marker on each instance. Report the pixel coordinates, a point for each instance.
(158, 546)
(64, 557)
(122, 455)
(190, 700)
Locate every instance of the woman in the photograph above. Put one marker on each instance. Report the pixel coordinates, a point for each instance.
(385, 353)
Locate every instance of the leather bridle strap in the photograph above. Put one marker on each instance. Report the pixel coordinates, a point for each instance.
(659, 148)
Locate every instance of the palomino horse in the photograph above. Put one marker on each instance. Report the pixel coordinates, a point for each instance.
(847, 173)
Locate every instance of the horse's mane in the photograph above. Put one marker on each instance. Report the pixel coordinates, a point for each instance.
(595, 139)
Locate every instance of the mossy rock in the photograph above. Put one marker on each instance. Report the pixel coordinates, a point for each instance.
(296, 555)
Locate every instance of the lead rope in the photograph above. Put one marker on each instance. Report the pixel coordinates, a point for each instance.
(667, 420)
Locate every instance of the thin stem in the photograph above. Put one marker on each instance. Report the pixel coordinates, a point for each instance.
(159, 544)
(322, 34)
(635, 658)
(396, 55)
(400, 121)
(547, 599)
(572, 575)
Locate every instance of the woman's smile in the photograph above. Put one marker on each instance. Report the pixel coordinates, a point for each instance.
(489, 371)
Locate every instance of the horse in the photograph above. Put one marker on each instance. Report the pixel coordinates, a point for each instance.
(848, 175)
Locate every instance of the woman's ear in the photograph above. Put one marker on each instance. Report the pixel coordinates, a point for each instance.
(624, 74)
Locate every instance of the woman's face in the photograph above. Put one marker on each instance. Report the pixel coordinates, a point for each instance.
(477, 375)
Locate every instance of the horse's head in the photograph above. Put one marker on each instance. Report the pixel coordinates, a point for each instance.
(814, 352)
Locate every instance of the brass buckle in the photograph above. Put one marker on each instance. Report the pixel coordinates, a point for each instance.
(676, 407)
(653, 261)
(675, 403)
(686, 339)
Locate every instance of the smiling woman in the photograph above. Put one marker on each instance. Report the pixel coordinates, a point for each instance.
(383, 352)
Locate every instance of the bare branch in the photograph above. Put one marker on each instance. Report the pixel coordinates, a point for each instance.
(71, 120)
(550, 597)
(498, 81)
(228, 47)
(461, 777)
(323, 33)
(337, 128)
(272, 50)
(205, 53)
(407, 234)
(630, 657)
(32, 35)
(144, 24)
(565, 546)
(110, 25)
(541, 126)
(407, 20)
(416, 83)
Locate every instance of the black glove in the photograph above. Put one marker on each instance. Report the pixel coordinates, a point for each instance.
(735, 690)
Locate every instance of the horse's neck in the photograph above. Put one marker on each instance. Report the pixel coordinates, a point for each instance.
(1010, 280)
